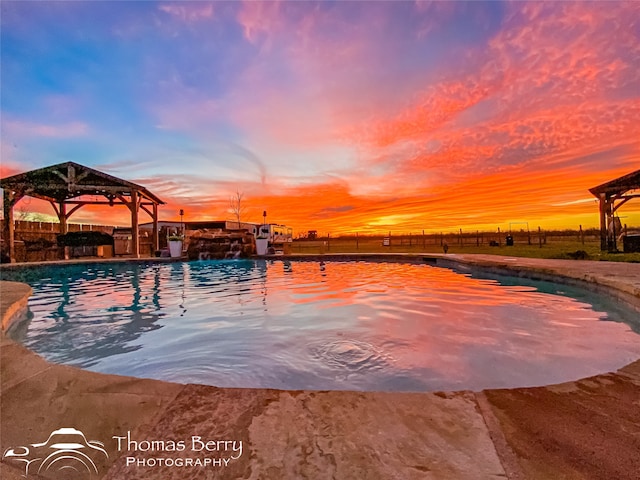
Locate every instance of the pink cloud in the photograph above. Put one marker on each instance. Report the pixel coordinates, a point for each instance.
(434, 15)
(547, 91)
(261, 19)
(9, 165)
(189, 11)
(17, 128)
(563, 47)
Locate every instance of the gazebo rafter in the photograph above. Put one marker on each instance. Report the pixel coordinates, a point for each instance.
(63, 185)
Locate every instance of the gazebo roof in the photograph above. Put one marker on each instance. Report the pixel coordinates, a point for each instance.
(618, 186)
(69, 180)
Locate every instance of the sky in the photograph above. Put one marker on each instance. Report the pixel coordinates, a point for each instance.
(336, 116)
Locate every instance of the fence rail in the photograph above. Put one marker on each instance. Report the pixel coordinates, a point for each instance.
(37, 241)
(30, 231)
(438, 241)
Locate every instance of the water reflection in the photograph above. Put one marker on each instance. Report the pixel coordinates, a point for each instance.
(351, 325)
(83, 313)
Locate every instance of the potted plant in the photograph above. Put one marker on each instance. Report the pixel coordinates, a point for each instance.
(175, 245)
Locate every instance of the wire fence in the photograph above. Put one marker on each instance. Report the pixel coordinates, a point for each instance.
(29, 235)
(443, 241)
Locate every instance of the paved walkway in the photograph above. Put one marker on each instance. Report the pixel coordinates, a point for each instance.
(587, 429)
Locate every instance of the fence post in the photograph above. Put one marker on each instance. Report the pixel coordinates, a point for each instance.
(357, 246)
(539, 237)
(581, 235)
(424, 245)
(328, 242)
(460, 238)
(477, 238)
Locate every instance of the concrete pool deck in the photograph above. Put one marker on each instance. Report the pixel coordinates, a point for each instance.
(584, 429)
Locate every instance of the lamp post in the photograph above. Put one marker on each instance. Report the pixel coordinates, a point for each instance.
(181, 221)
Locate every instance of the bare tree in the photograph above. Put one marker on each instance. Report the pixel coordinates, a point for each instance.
(236, 206)
(23, 212)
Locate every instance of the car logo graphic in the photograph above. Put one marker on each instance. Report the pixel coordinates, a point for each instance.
(66, 454)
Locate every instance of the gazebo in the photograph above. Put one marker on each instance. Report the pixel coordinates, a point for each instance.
(612, 195)
(67, 187)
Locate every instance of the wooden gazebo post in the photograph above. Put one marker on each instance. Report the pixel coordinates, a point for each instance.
(64, 228)
(10, 198)
(605, 213)
(156, 233)
(135, 234)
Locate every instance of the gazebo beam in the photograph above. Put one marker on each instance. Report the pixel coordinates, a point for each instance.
(624, 200)
(76, 207)
(143, 206)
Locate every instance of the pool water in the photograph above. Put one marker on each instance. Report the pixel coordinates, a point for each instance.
(373, 326)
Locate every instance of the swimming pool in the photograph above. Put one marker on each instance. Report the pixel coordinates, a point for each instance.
(374, 326)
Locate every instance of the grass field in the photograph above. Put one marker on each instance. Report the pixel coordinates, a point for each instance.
(562, 249)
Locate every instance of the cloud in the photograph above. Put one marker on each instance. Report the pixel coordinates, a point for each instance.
(341, 116)
(21, 129)
(260, 19)
(9, 165)
(537, 91)
(501, 132)
(189, 11)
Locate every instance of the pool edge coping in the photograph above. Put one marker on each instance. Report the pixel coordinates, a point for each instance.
(510, 460)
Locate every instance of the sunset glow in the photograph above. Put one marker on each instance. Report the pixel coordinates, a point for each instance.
(339, 117)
